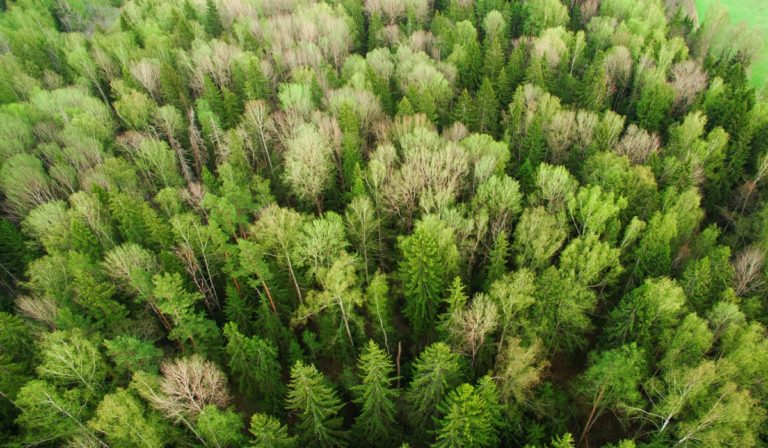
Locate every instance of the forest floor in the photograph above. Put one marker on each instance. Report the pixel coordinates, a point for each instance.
(755, 14)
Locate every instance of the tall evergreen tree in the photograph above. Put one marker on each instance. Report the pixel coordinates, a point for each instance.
(213, 24)
(316, 406)
(376, 424)
(470, 417)
(253, 362)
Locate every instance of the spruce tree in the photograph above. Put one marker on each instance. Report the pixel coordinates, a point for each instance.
(487, 109)
(269, 432)
(464, 111)
(376, 397)
(429, 261)
(436, 371)
(254, 365)
(470, 417)
(316, 406)
(213, 24)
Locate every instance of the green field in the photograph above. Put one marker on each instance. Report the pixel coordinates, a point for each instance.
(755, 14)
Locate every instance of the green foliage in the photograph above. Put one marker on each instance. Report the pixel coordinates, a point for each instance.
(316, 406)
(268, 432)
(470, 416)
(254, 365)
(376, 397)
(197, 196)
(429, 261)
(436, 371)
(220, 428)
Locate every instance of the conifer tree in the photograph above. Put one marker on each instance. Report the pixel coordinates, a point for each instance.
(253, 362)
(376, 397)
(436, 371)
(429, 262)
(316, 406)
(487, 109)
(213, 24)
(470, 417)
(464, 111)
(269, 432)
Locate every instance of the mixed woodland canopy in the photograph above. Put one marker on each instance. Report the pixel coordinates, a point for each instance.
(380, 223)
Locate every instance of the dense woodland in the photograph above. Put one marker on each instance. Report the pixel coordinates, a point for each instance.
(289, 223)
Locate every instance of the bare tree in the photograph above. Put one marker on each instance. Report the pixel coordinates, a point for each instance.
(748, 268)
(638, 144)
(688, 79)
(147, 73)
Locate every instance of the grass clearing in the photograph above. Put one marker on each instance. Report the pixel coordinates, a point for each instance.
(755, 14)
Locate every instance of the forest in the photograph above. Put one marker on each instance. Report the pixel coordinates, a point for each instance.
(381, 223)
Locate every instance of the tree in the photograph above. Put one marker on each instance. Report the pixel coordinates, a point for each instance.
(611, 382)
(487, 108)
(253, 362)
(47, 415)
(220, 428)
(213, 24)
(125, 422)
(538, 236)
(308, 165)
(470, 417)
(647, 315)
(69, 359)
(316, 406)
(436, 371)
(189, 325)
(472, 326)
(268, 432)
(131, 355)
(464, 110)
(376, 397)
(428, 263)
(518, 370)
(337, 301)
(364, 229)
(379, 305)
(186, 387)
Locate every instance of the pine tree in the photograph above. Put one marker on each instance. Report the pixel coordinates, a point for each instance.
(316, 406)
(254, 365)
(376, 397)
(470, 417)
(351, 145)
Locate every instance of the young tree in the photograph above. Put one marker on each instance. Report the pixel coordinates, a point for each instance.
(268, 432)
(487, 109)
(376, 397)
(213, 24)
(379, 306)
(316, 406)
